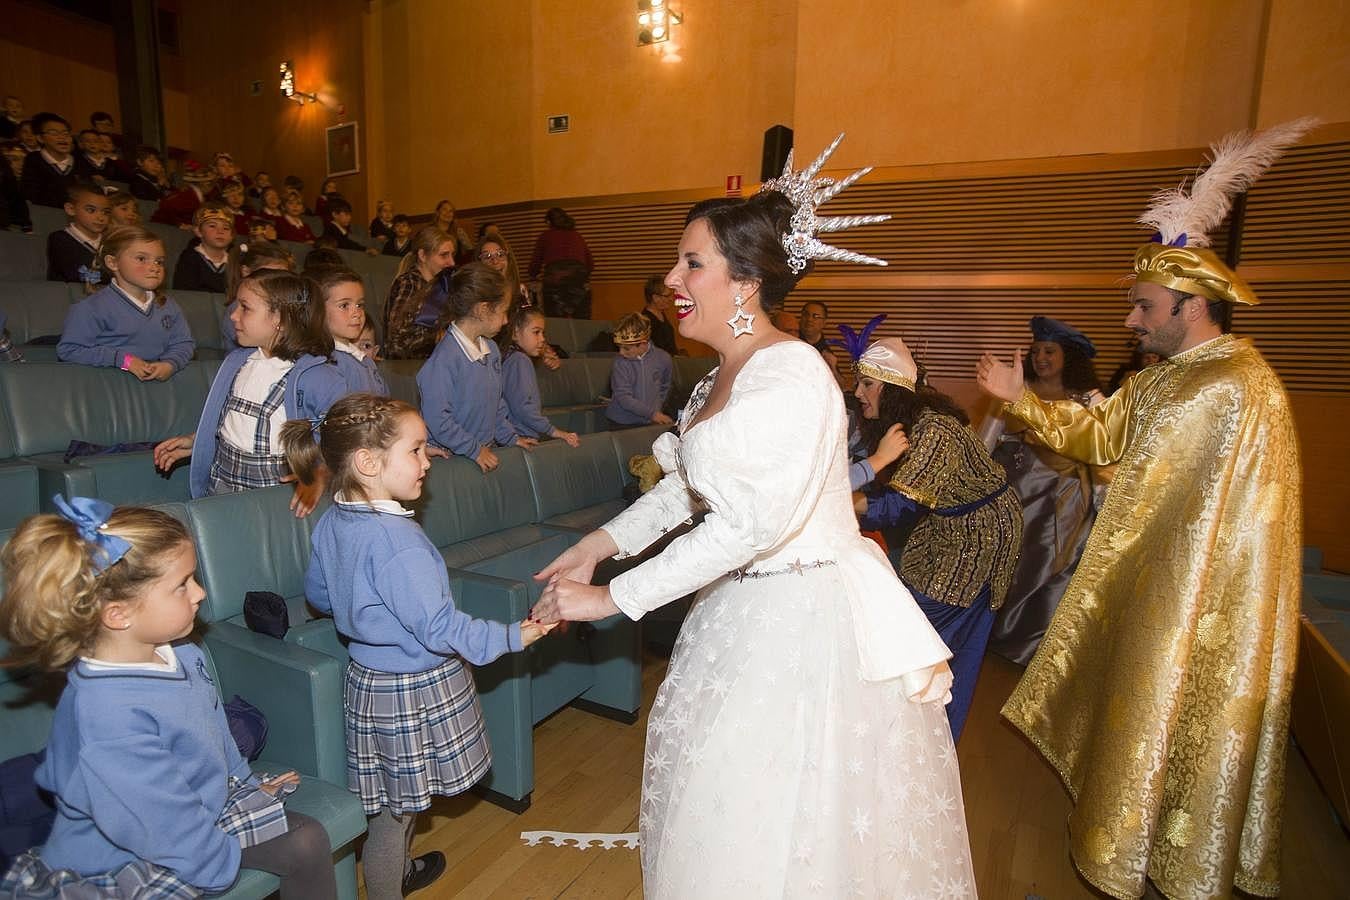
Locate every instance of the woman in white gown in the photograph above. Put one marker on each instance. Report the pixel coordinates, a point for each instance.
(798, 746)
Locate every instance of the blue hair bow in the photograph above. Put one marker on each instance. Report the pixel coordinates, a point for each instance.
(90, 516)
(89, 275)
(855, 342)
(316, 425)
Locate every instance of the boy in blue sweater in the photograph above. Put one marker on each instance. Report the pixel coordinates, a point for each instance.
(640, 380)
(129, 324)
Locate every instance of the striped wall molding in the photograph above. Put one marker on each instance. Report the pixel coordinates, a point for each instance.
(976, 250)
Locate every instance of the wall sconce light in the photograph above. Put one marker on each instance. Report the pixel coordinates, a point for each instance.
(655, 19)
(288, 86)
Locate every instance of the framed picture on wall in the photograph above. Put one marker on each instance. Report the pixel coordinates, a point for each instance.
(343, 150)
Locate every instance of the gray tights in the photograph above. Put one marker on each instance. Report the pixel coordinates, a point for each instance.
(385, 859)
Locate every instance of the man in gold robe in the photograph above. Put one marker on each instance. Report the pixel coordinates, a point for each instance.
(1161, 690)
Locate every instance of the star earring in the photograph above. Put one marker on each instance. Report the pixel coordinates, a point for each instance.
(737, 329)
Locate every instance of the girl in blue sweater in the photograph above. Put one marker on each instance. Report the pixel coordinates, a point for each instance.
(414, 725)
(152, 794)
(129, 324)
(282, 370)
(525, 343)
(461, 384)
(342, 293)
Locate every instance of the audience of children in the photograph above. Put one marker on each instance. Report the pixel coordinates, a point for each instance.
(382, 226)
(72, 252)
(432, 252)
(343, 293)
(338, 227)
(269, 203)
(461, 384)
(414, 725)
(91, 162)
(232, 192)
(201, 266)
(153, 797)
(49, 171)
(129, 324)
(179, 207)
(150, 181)
(400, 237)
(246, 259)
(523, 341)
(291, 227)
(641, 378)
(123, 210)
(283, 370)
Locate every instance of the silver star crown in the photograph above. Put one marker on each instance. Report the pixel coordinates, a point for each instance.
(807, 192)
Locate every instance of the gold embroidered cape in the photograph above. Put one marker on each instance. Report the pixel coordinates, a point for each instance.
(1161, 690)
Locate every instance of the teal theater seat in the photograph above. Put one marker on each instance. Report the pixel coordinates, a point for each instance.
(23, 257)
(47, 405)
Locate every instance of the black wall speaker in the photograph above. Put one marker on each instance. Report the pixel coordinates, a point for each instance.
(777, 143)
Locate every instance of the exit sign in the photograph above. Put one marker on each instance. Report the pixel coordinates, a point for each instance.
(558, 124)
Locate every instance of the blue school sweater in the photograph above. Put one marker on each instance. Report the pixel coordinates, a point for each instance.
(639, 387)
(387, 589)
(462, 400)
(312, 385)
(105, 326)
(520, 387)
(362, 376)
(138, 760)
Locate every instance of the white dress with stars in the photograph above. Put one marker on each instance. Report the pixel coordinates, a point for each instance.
(784, 755)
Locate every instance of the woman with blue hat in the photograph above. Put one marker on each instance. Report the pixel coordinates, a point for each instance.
(1057, 493)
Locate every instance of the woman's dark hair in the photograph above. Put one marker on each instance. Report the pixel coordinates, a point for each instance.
(1079, 375)
(356, 421)
(901, 405)
(291, 297)
(467, 286)
(557, 217)
(749, 234)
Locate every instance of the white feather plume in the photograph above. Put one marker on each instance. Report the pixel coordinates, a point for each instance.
(1236, 161)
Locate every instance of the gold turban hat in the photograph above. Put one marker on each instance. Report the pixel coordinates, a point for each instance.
(1191, 270)
(888, 360)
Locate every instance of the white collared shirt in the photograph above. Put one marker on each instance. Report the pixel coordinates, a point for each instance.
(217, 266)
(74, 231)
(142, 302)
(168, 662)
(476, 352)
(254, 382)
(62, 167)
(393, 507)
(340, 344)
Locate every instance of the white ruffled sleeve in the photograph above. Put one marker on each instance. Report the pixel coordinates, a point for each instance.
(762, 463)
(657, 511)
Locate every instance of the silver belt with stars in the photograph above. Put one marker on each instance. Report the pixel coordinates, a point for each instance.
(796, 567)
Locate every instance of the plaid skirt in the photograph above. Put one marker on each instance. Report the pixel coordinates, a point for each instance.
(412, 736)
(234, 470)
(29, 878)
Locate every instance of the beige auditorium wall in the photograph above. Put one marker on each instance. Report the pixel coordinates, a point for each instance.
(1306, 68)
(465, 90)
(226, 47)
(63, 63)
(920, 83)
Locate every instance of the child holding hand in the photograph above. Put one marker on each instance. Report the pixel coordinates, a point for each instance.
(414, 724)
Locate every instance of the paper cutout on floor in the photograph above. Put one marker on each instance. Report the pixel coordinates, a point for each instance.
(581, 840)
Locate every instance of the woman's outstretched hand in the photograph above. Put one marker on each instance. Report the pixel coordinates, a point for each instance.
(578, 562)
(1000, 380)
(565, 600)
